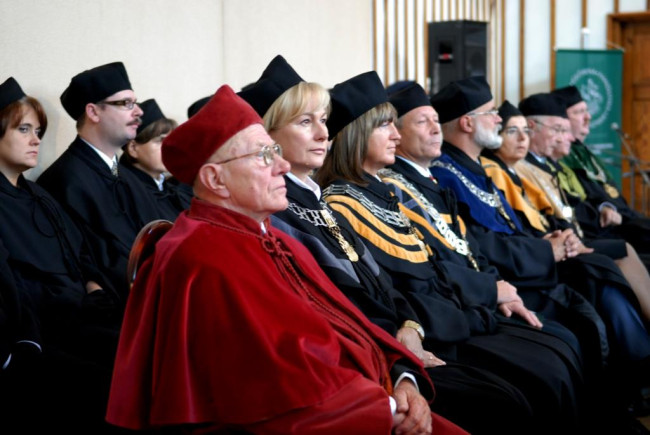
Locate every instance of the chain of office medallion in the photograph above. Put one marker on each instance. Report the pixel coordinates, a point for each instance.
(388, 216)
(461, 246)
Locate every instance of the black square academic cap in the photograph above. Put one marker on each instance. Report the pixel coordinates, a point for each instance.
(544, 104)
(150, 113)
(94, 85)
(507, 110)
(10, 91)
(352, 98)
(197, 105)
(409, 98)
(461, 97)
(398, 86)
(571, 95)
(274, 81)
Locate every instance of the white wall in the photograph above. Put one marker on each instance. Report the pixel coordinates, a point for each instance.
(180, 51)
(568, 24)
(175, 51)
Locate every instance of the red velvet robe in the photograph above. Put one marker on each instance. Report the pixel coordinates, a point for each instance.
(232, 328)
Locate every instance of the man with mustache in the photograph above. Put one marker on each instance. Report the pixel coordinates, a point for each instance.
(107, 203)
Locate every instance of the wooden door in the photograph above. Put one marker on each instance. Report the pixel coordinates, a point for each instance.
(631, 32)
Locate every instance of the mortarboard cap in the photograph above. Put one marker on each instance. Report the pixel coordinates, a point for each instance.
(197, 105)
(275, 80)
(150, 113)
(352, 98)
(461, 97)
(570, 94)
(190, 145)
(507, 110)
(10, 91)
(94, 85)
(544, 104)
(409, 98)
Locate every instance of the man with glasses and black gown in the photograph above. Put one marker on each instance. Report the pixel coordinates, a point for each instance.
(108, 204)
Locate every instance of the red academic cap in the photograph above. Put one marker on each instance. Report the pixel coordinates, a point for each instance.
(190, 145)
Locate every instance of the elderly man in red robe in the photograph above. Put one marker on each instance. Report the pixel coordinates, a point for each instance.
(231, 325)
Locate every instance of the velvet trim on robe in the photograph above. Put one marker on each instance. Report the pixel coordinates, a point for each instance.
(524, 261)
(471, 186)
(404, 256)
(233, 328)
(516, 196)
(467, 395)
(544, 178)
(474, 287)
(373, 209)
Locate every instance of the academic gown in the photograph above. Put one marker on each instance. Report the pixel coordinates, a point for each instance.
(605, 285)
(373, 211)
(19, 326)
(468, 396)
(171, 200)
(533, 169)
(434, 211)
(522, 259)
(50, 266)
(599, 189)
(20, 354)
(50, 263)
(302, 358)
(110, 211)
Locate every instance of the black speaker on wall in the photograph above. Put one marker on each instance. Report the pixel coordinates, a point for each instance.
(457, 49)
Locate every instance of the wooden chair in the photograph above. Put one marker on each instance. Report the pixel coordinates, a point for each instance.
(144, 244)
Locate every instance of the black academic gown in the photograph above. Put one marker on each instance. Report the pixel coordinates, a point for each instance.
(456, 251)
(20, 354)
(635, 228)
(525, 261)
(505, 251)
(171, 200)
(598, 266)
(469, 396)
(110, 211)
(551, 389)
(50, 266)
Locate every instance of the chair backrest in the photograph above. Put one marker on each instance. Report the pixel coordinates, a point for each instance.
(143, 245)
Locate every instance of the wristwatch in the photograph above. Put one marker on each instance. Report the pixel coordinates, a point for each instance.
(414, 325)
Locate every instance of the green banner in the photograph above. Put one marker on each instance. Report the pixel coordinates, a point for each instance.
(598, 74)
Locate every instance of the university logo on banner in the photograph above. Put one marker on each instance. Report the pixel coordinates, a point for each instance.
(598, 76)
(596, 90)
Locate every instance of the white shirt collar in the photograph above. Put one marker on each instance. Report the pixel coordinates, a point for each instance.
(309, 184)
(420, 169)
(104, 157)
(540, 159)
(160, 182)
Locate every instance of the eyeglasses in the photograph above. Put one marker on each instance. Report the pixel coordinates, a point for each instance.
(126, 104)
(267, 153)
(554, 128)
(513, 131)
(492, 112)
